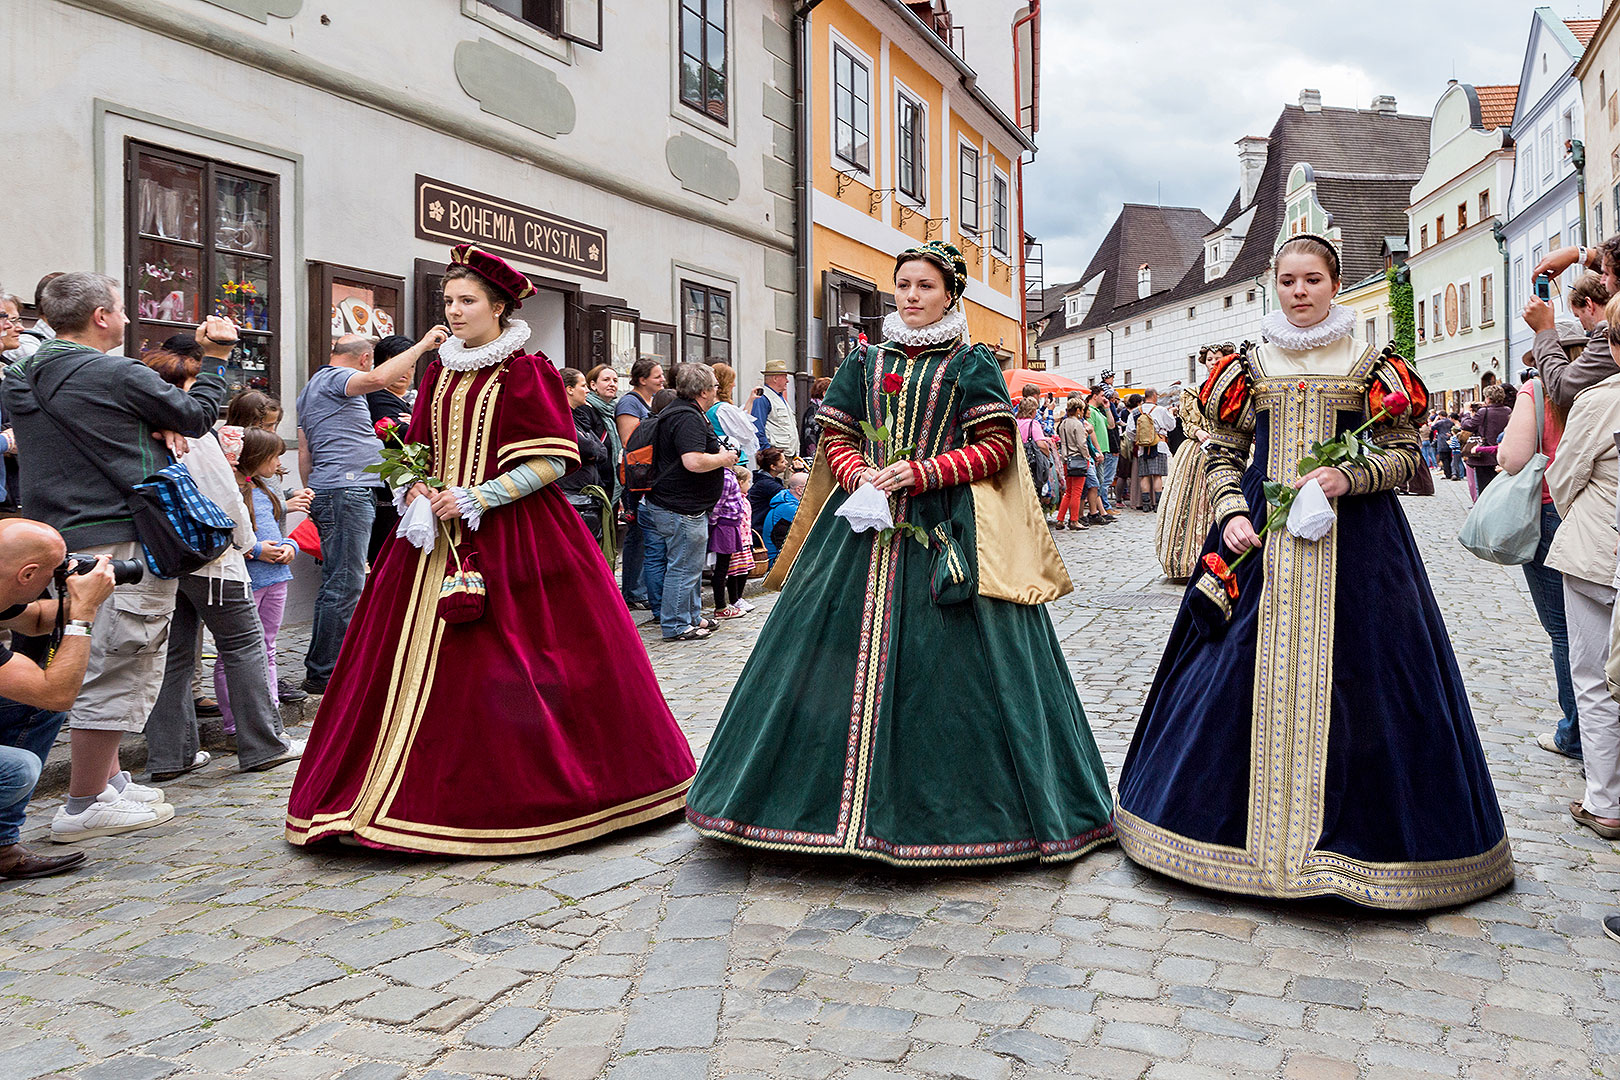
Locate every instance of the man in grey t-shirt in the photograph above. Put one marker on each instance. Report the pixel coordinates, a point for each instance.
(336, 442)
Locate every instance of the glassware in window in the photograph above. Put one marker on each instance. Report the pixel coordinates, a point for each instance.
(167, 282)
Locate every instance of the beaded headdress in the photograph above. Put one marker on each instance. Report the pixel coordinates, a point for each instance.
(945, 256)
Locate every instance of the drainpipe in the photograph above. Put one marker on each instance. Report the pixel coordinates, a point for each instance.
(1018, 118)
(802, 228)
(1577, 158)
(1507, 321)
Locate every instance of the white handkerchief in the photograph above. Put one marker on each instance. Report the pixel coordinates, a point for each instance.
(867, 508)
(417, 525)
(1310, 518)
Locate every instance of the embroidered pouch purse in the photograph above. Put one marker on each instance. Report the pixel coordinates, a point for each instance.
(462, 595)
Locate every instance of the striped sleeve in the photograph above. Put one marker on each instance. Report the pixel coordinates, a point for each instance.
(990, 447)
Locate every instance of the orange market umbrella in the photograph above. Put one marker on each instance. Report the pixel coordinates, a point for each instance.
(1018, 378)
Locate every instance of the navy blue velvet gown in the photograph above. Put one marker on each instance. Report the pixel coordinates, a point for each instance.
(1323, 744)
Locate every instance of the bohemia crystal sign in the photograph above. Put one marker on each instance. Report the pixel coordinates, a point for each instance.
(453, 215)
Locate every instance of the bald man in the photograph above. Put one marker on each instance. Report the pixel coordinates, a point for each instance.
(33, 701)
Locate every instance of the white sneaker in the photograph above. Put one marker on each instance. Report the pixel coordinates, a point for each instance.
(107, 816)
(295, 747)
(138, 793)
(744, 605)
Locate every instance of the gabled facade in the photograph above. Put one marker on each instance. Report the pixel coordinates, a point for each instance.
(908, 143)
(1145, 254)
(1543, 210)
(1599, 75)
(1343, 172)
(1459, 304)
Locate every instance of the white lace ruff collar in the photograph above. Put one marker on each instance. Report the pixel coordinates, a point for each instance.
(954, 325)
(1340, 323)
(457, 357)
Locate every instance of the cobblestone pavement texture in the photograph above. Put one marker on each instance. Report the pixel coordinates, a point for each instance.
(209, 947)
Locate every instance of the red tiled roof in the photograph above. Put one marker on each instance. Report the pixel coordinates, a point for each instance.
(1497, 104)
(1583, 29)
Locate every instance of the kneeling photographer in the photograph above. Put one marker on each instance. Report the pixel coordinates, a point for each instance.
(34, 696)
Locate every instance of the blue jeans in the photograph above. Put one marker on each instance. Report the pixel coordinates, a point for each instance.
(1428, 453)
(343, 516)
(634, 554)
(26, 736)
(1110, 469)
(677, 546)
(1547, 596)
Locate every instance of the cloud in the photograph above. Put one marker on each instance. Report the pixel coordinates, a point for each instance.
(1144, 103)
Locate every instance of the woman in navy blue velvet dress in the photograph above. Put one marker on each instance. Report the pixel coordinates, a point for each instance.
(1321, 743)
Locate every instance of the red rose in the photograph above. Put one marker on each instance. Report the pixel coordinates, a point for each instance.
(1396, 403)
(384, 428)
(1220, 572)
(893, 383)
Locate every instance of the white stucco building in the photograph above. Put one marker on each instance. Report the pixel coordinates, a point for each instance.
(1459, 305)
(1153, 295)
(1543, 210)
(306, 168)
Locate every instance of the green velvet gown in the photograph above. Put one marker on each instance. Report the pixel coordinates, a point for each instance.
(890, 710)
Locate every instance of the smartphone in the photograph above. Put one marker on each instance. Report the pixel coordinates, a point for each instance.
(1543, 288)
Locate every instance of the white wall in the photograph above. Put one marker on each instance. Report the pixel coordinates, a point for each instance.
(348, 169)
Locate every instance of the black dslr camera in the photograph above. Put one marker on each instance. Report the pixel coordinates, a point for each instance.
(125, 571)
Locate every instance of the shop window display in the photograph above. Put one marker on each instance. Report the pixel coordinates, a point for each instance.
(202, 241)
(345, 300)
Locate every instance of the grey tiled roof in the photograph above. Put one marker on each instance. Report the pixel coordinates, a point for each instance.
(1168, 239)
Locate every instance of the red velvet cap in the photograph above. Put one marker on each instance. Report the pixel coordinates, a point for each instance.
(495, 270)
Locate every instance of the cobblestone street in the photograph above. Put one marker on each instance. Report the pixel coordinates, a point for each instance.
(209, 947)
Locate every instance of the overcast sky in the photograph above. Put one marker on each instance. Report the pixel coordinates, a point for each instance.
(1144, 102)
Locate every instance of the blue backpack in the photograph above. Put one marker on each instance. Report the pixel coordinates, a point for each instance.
(181, 528)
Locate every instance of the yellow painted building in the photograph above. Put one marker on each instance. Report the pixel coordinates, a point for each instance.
(909, 145)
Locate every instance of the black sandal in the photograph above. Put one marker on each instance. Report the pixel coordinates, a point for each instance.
(694, 633)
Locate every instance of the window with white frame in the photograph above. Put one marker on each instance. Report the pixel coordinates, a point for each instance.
(1000, 214)
(1566, 132)
(1071, 311)
(1057, 356)
(852, 109)
(1484, 205)
(1487, 300)
(968, 185)
(911, 147)
(1422, 321)
(1529, 152)
(1597, 220)
(1465, 313)
(1547, 159)
(1438, 319)
(1372, 331)
(1251, 296)
(1518, 281)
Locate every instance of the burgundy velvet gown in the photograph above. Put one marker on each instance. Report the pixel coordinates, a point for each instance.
(536, 725)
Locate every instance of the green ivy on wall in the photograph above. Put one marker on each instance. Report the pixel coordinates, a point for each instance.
(1400, 308)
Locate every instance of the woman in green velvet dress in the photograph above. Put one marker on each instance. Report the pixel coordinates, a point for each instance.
(907, 701)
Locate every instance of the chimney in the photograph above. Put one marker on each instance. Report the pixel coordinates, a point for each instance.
(1144, 281)
(1310, 100)
(1384, 105)
(1251, 163)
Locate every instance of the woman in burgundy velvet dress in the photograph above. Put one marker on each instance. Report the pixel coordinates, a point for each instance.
(536, 724)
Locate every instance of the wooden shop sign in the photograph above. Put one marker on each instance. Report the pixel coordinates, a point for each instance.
(454, 215)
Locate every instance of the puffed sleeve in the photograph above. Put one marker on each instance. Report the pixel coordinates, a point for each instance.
(985, 416)
(840, 416)
(533, 418)
(1228, 411)
(1398, 441)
